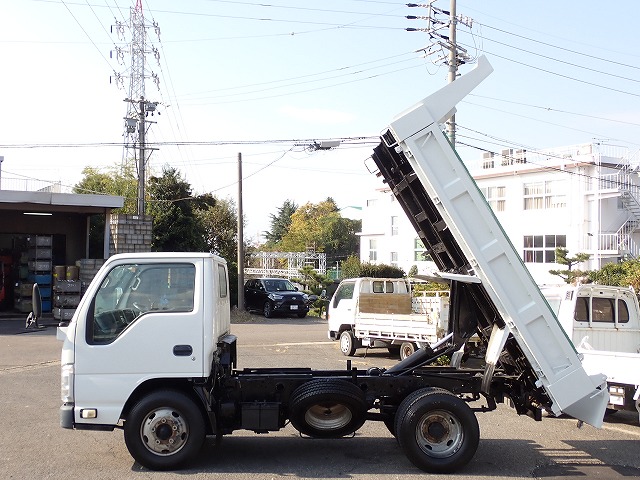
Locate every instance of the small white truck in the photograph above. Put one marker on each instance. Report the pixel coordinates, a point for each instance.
(604, 324)
(150, 351)
(382, 312)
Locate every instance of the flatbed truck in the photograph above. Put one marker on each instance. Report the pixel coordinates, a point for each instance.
(150, 349)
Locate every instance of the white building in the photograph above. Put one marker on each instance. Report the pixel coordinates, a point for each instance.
(585, 198)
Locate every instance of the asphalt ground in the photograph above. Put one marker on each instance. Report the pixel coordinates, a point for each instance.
(33, 446)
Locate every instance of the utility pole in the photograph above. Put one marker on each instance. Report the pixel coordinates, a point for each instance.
(453, 68)
(141, 160)
(240, 238)
(445, 48)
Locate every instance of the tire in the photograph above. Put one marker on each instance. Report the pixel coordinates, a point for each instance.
(164, 430)
(327, 408)
(437, 431)
(347, 343)
(267, 309)
(406, 349)
(301, 314)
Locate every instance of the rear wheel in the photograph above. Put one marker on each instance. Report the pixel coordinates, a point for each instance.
(347, 343)
(406, 349)
(164, 430)
(437, 431)
(302, 314)
(327, 408)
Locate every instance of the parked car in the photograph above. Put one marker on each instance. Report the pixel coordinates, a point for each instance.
(275, 295)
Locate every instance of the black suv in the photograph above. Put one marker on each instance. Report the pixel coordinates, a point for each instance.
(275, 295)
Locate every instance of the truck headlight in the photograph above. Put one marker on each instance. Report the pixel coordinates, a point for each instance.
(66, 383)
(275, 296)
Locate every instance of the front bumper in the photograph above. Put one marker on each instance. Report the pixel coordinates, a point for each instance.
(290, 308)
(66, 415)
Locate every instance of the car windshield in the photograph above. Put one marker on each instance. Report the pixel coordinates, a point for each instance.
(279, 286)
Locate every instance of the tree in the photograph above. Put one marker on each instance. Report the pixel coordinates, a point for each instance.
(618, 274)
(220, 222)
(351, 267)
(322, 227)
(118, 180)
(380, 270)
(280, 222)
(413, 271)
(176, 226)
(569, 275)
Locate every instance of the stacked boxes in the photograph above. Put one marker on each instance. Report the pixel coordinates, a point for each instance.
(130, 233)
(39, 267)
(67, 290)
(70, 282)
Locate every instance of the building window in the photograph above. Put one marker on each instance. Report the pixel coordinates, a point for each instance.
(372, 202)
(373, 252)
(545, 195)
(495, 197)
(419, 252)
(394, 226)
(542, 248)
(394, 258)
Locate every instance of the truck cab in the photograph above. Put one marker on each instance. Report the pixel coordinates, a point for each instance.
(144, 321)
(598, 317)
(380, 296)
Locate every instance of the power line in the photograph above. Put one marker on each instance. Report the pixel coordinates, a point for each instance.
(561, 48)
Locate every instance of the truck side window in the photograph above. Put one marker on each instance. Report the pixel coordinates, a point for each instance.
(602, 310)
(222, 280)
(344, 291)
(378, 287)
(623, 311)
(129, 291)
(582, 309)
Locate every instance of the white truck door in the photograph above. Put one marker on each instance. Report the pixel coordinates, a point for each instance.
(342, 308)
(144, 321)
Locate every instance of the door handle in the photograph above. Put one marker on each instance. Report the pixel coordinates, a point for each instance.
(182, 350)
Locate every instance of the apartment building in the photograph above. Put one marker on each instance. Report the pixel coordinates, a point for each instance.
(585, 198)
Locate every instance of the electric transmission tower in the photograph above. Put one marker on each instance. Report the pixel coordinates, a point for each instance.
(444, 49)
(138, 106)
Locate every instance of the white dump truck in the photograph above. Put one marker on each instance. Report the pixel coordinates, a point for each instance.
(604, 324)
(383, 313)
(150, 351)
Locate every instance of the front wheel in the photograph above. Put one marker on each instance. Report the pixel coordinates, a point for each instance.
(347, 343)
(164, 430)
(267, 309)
(437, 431)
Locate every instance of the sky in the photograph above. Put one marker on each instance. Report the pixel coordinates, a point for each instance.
(268, 80)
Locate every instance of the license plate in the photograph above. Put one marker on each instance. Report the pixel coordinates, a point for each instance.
(294, 307)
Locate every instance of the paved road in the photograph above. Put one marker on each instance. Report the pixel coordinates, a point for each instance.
(34, 446)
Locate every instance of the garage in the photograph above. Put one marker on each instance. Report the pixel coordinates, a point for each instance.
(45, 236)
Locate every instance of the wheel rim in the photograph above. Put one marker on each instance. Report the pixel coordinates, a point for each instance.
(439, 434)
(407, 350)
(328, 416)
(267, 309)
(345, 343)
(165, 431)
